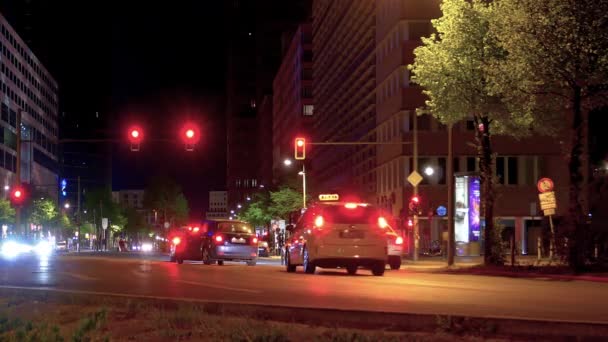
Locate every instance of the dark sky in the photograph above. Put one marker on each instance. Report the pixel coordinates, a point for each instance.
(156, 64)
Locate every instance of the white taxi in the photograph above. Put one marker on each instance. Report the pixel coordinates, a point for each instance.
(338, 234)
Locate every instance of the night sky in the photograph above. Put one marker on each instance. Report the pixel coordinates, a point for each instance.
(156, 64)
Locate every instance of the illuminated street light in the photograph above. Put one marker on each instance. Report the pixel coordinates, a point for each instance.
(67, 205)
(287, 162)
(429, 171)
(6, 188)
(239, 206)
(248, 198)
(232, 211)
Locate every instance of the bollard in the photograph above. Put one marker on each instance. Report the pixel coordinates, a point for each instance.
(538, 248)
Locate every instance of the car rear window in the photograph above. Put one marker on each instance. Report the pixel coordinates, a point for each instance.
(235, 227)
(341, 214)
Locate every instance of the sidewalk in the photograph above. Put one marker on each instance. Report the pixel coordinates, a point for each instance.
(525, 267)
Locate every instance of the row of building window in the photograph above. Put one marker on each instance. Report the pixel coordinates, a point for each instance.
(6, 89)
(24, 53)
(410, 30)
(24, 88)
(8, 161)
(28, 133)
(508, 170)
(246, 183)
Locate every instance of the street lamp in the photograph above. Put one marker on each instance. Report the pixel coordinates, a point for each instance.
(66, 205)
(429, 171)
(6, 188)
(302, 173)
(239, 206)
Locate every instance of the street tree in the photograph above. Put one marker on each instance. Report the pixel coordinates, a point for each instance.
(557, 63)
(284, 202)
(99, 204)
(7, 212)
(136, 222)
(166, 197)
(43, 212)
(451, 67)
(256, 211)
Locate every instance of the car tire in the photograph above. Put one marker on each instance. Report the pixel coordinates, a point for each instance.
(309, 267)
(378, 269)
(251, 263)
(394, 262)
(206, 257)
(220, 262)
(352, 270)
(290, 268)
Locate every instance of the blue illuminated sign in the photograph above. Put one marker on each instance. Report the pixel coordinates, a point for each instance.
(441, 210)
(64, 185)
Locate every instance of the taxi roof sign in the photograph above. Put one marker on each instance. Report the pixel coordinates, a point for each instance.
(329, 197)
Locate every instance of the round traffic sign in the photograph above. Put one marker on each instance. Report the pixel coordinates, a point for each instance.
(441, 210)
(545, 185)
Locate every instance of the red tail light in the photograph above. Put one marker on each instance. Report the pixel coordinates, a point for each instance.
(382, 223)
(350, 205)
(254, 241)
(399, 240)
(195, 229)
(218, 239)
(319, 221)
(176, 240)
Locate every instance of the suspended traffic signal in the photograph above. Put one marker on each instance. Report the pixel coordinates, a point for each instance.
(414, 205)
(300, 149)
(136, 135)
(190, 135)
(17, 196)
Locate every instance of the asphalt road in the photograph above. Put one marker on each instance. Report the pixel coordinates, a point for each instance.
(268, 283)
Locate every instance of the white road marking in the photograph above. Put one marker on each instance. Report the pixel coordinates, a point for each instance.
(78, 276)
(220, 287)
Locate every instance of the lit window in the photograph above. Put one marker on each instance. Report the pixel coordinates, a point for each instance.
(309, 110)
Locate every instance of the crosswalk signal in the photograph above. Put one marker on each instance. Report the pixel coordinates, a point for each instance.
(300, 149)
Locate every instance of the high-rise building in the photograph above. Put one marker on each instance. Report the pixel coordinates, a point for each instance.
(293, 107)
(254, 30)
(362, 92)
(27, 90)
(344, 85)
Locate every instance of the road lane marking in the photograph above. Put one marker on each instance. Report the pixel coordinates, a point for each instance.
(78, 276)
(219, 287)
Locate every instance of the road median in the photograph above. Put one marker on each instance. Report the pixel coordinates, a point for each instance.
(429, 324)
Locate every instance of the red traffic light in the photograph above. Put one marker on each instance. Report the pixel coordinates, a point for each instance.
(300, 149)
(415, 199)
(17, 196)
(135, 136)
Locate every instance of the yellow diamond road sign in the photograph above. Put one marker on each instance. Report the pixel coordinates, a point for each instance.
(414, 178)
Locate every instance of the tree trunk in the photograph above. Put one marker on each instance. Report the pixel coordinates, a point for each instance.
(575, 210)
(482, 129)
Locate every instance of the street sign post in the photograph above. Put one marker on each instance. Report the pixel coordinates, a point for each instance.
(548, 204)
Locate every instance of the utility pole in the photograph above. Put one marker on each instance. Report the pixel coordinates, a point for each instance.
(17, 181)
(78, 217)
(450, 179)
(416, 227)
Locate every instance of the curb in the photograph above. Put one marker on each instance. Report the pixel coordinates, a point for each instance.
(406, 322)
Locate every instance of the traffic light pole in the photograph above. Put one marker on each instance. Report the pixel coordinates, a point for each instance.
(17, 180)
(416, 226)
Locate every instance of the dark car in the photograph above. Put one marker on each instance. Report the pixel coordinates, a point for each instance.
(216, 241)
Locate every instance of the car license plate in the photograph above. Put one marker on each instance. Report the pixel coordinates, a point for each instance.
(239, 240)
(352, 234)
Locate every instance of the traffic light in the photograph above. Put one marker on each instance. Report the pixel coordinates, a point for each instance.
(414, 205)
(300, 149)
(136, 135)
(190, 135)
(18, 196)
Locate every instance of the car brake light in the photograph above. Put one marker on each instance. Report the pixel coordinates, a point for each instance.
(218, 238)
(254, 241)
(319, 221)
(350, 205)
(399, 240)
(176, 240)
(195, 230)
(382, 223)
